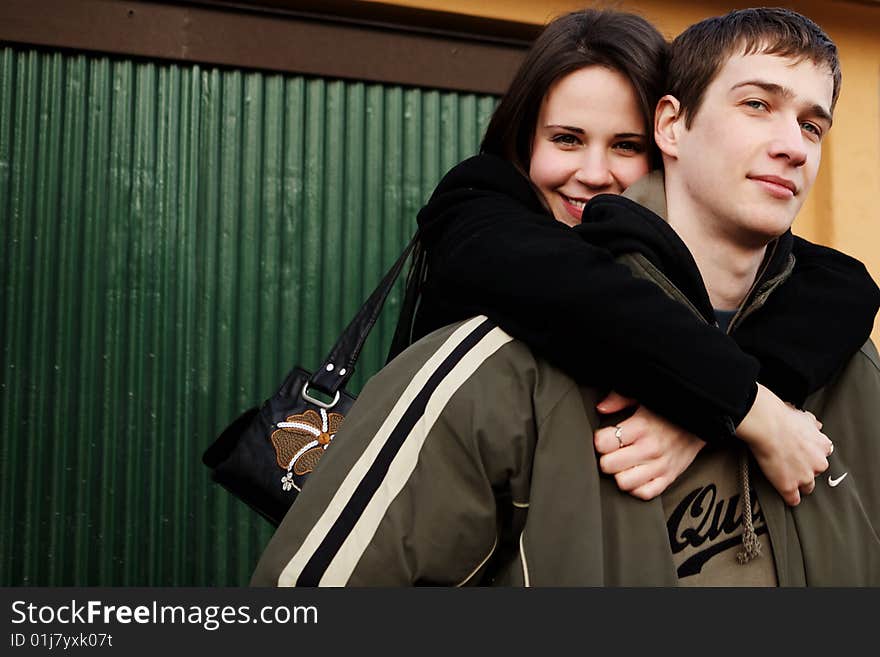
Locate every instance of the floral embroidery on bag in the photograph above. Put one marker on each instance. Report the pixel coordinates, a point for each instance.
(300, 442)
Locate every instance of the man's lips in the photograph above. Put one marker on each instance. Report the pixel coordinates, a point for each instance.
(777, 186)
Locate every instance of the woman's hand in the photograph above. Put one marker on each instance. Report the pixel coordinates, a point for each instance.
(787, 443)
(651, 452)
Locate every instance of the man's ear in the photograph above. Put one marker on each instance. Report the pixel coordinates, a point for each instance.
(668, 124)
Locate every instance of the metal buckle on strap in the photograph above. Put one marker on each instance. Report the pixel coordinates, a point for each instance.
(318, 402)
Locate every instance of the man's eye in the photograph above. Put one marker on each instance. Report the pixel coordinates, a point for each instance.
(756, 104)
(812, 128)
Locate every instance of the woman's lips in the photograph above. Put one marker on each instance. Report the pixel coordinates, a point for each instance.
(574, 206)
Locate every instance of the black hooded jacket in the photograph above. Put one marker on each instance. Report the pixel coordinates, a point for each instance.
(492, 248)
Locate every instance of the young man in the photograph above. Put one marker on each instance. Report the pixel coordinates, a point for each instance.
(741, 134)
(477, 470)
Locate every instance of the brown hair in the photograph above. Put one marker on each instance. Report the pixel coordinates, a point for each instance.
(700, 51)
(620, 41)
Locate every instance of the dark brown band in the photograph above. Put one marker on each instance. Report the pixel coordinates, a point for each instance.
(340, 39)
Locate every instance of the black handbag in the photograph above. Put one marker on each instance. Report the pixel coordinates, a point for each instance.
(265, 456)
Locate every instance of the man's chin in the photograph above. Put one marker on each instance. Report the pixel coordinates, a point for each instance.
(758, 234)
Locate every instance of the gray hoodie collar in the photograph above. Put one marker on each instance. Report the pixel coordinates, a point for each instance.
(649, 191)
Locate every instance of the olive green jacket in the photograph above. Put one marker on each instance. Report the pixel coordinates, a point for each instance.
(468, 460)
(501, 485)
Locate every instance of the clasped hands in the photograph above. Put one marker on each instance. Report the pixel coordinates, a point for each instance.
(645, 453)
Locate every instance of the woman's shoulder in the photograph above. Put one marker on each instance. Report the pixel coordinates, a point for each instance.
(486, 174)
(481, 188)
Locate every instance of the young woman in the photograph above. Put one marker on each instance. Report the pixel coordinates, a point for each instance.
(576, 122)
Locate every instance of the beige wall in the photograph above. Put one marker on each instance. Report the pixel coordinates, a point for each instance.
(842, 210)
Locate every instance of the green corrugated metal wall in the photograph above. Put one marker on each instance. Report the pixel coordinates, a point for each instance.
(173, 238)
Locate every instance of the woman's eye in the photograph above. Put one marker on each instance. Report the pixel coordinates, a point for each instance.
(756, 104)
(565, 139)
(630, 147)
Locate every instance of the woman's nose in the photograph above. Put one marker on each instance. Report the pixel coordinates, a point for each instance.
(594, 170)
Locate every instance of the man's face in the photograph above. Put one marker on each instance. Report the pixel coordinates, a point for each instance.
(752, 152)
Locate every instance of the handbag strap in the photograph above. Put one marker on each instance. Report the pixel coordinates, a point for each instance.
(338, 367)
(403, 334)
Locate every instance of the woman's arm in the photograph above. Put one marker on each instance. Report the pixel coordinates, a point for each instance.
(813, 324)
(494, 250)
(645, 452)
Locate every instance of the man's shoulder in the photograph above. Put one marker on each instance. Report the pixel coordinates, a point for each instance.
(857, 384)
(475, 356)
(869, 351)
(863, 365)
(475, 338)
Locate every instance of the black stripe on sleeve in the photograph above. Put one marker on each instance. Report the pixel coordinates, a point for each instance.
(326, 551)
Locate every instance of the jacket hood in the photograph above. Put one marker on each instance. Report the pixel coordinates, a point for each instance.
(623, 226)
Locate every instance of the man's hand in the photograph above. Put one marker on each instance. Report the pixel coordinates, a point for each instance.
(787, 443)
(654, 452)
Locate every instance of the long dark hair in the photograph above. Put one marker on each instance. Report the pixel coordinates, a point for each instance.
(623, 42)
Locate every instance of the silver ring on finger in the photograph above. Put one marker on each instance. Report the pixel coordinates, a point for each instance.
(618, 433)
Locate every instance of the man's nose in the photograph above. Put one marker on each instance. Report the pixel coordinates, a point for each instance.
(788, 142)
(594, 170)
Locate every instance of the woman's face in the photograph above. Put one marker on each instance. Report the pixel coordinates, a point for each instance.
(590, 139)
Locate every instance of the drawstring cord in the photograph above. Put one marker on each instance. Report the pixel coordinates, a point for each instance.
(751, 547)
